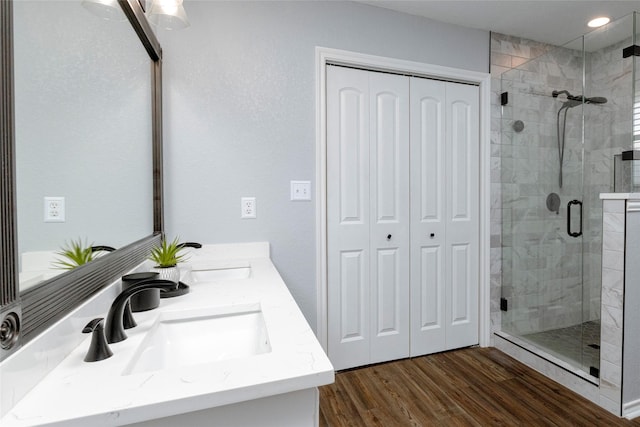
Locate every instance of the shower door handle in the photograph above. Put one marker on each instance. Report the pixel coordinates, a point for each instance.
(569, 232)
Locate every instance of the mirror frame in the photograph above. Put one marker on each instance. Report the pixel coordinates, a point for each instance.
(27, 314)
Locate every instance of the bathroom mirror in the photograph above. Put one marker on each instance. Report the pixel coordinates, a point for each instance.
(89, 129)
(83, 133)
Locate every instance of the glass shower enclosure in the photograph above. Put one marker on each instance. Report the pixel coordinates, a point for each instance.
(567, 117)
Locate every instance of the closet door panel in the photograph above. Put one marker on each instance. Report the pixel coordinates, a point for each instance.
(431, 166)
(460, 161)
(389, 197)
(352, 166)
(388, 139)
(428, 331)
(388, 306)
(427, 164)
(462, 214)
(353, 320)
(348, 217)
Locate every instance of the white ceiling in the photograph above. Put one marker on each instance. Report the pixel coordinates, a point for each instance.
(550, 21)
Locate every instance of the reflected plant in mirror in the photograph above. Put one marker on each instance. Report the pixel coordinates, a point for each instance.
(74, 254)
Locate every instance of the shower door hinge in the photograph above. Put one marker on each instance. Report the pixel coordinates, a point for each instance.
(504, 98)
(503, 304)
(633, 50)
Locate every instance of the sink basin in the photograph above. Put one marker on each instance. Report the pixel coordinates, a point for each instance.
(218, 274)
(192, 337)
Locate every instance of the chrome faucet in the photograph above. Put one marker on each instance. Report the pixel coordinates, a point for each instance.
(114, 328)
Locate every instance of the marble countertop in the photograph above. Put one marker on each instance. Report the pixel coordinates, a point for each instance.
(620, 196)
(77, 393)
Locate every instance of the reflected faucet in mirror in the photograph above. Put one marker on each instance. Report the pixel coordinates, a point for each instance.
(104, 248)
(190, 245)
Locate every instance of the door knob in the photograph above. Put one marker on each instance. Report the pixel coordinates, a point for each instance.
(432, 235)
(388, 236)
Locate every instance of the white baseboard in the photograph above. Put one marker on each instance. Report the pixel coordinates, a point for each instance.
(631, 410)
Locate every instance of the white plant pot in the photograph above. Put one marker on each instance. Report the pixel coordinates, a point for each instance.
(168, 273)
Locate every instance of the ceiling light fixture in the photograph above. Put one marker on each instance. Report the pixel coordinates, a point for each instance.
(598, 22)
(168, 14)
(109, 10)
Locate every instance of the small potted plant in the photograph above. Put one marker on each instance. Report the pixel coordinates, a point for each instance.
(75, 254)
(166, 257)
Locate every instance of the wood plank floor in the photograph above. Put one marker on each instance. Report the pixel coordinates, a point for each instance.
(469, 387)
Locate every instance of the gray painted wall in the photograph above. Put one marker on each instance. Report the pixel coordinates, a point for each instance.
(239, 114)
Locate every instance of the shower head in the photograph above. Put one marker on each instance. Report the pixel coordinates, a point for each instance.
(570, 103)
(575, 100)
(596, 100)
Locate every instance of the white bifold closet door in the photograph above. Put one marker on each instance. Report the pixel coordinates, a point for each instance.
(402, 216)
(368, 216)
(444, 215)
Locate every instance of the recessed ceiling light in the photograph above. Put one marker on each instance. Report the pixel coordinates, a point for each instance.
(598, 22)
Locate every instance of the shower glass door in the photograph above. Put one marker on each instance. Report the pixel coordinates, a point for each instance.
(567, 119)
(543, 202)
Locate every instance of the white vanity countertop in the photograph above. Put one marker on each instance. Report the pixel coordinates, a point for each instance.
(77, 393)
(619, 196)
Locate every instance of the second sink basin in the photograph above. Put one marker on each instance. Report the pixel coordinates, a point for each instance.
(214, 275)
(219, 271)
(192, 337)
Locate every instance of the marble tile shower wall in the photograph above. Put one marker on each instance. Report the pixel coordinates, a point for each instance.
(612, 324)
(607, 133)
(535, 264)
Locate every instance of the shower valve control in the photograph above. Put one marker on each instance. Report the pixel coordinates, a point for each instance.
(432, 235)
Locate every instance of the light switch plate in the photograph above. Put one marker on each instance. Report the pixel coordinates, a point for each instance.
(300, 190)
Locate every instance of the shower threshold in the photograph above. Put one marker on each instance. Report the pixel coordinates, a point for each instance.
(578, 344)
(547, 355)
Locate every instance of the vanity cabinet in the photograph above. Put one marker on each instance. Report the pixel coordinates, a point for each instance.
(295, 409)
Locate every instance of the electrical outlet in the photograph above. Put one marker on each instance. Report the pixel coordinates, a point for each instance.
(300, 190)
(54, 209)
(248, 207)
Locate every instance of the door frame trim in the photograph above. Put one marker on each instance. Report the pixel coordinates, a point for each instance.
(326, 56)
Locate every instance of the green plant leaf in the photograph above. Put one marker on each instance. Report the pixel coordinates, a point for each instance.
(75, 253)
(167, 254)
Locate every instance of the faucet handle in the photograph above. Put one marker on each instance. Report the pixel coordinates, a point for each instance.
(98, 349)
